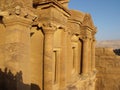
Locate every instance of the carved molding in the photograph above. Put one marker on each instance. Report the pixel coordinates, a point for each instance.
(16, 20)
(48, 27)
(52, 26)
(88, 21)
(44, 4)
(17, 8)
(8, 4)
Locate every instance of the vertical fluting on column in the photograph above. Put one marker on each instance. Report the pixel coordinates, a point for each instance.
(48, 58)
(85, 56)
(93, 53)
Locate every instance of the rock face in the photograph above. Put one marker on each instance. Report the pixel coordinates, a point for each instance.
(46, 46)
(108, 66)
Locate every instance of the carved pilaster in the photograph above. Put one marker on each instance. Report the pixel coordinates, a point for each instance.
(93, 54)
(90, 55)
(75, 51)
(85, 55)
(17, 45)
(64, 3)
(17, 21)
(48, 57)
(64, 58)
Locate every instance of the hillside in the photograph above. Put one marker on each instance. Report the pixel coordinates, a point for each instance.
(109, 43)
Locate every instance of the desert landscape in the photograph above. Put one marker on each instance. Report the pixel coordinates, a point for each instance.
(115, 44)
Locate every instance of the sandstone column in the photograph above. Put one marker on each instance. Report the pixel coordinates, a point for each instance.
(63, 61)
(48, 58)
(75, 54)
(93, 54)
(17, 41)
(89, 55)
(85, 56)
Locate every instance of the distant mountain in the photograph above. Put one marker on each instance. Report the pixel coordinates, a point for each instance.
(109, 43)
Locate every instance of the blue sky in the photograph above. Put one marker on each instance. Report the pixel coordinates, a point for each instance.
(105, 14)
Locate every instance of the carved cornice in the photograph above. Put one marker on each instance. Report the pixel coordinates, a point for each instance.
(52, 13)
(94, 31)
(74, 21)
(63, 1)
(52, 3)
(16, 20)
(76, 16)
(87, 22)
(9, 5)
(18, 14)
(18, 8)
(86, 29)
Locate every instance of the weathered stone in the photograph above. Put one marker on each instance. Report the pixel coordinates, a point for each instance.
(107, 64)
(46, 47)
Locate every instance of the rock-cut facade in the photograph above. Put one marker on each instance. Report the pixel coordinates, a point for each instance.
(46, 46)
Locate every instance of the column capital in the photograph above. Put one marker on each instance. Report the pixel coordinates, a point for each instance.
(74, 38)
(49, 28)
(85, 38)
(94, 40)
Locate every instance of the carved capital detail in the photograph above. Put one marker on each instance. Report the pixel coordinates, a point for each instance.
(85, 38)
(19, 9)
(18, 15)
(74, 38)
(48, 27)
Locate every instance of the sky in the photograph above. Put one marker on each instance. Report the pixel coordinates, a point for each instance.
(105, 15)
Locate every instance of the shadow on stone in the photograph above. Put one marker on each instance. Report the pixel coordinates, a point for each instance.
(117, 51)
(72, 88)
(9, 81)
